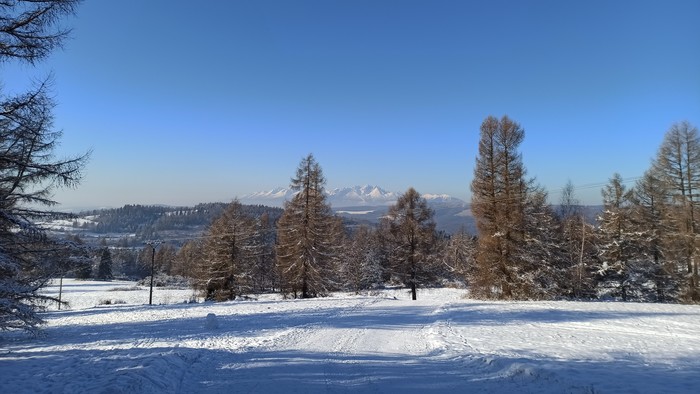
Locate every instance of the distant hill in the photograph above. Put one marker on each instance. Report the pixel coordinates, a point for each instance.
(137, 223)
(356, 205)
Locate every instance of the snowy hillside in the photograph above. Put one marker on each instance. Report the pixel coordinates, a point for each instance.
(378, 343)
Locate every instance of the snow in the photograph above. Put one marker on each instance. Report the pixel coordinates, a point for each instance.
(66, 224)
(355, 212)
(374, 343)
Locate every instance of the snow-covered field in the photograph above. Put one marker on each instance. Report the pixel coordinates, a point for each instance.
(381, 343)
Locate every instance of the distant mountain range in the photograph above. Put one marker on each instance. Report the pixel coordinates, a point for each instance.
(357, 196)
(367, 204)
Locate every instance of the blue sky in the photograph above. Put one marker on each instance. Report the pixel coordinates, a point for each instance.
(185, 102)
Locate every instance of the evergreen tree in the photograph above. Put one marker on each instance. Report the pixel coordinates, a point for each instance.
(264, 272)
(230, 253)
(412, 239)
(82, 267)
(29, 170)
(615, 238)
(650, 211)
(579, 252)
(460, 255)
(499, 197)
(187, 258)
(544, 271)
(104, 268)
(307, 236)
(362, 267)
(678, 166)
(165, 258)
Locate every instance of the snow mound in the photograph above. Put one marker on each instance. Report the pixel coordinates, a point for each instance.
(211, 323)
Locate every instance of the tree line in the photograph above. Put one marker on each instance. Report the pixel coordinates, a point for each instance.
(642, 247)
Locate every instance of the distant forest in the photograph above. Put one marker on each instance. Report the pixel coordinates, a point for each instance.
(148, 221)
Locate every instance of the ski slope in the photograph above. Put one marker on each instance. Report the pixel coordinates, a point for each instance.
(379, 343)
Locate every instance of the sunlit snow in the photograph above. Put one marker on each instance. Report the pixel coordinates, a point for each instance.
(381, 342)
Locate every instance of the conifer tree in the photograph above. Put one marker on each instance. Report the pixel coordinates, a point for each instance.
(412, 238)
(307, 236)
(187, 258)
(29, 169)
(678, 166)
(578, 247)
(165, 258)
(265, 277)
(104, 268)
(460, 254)
(499, 196)
(615, 238)
(230, 253)
(649, 212)
(362, 268)
(544, 271)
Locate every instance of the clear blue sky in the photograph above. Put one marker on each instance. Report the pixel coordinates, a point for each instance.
(185, 102)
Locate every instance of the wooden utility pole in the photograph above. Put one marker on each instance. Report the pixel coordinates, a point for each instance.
(153, 245)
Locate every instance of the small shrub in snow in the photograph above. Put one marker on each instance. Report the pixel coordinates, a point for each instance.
(111, 302)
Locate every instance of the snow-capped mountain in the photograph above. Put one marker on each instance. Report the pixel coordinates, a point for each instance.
(274, 197)
(444, 199)
(357, 196)
(360, 196)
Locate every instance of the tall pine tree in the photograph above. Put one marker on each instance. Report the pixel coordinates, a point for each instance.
(307, 236)
(678, 166)
(499, 197)
(29, 168)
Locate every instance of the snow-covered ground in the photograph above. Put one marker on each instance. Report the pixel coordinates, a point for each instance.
(380, 343)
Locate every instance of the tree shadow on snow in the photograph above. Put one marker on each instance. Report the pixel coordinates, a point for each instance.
(185, 370)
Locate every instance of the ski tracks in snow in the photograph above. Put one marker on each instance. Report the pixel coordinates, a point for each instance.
(361, 344)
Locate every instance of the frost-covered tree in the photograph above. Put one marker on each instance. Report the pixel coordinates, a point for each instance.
(616, 242)
(80, 253)
(265, 276)
(308, 236)
(29, 170)
(362, 267)
(459, 255)
(578, 247)
(229, 255)
(411, 239)
(544, 270)
(653, 237)
(678, 166)
(165, 258)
